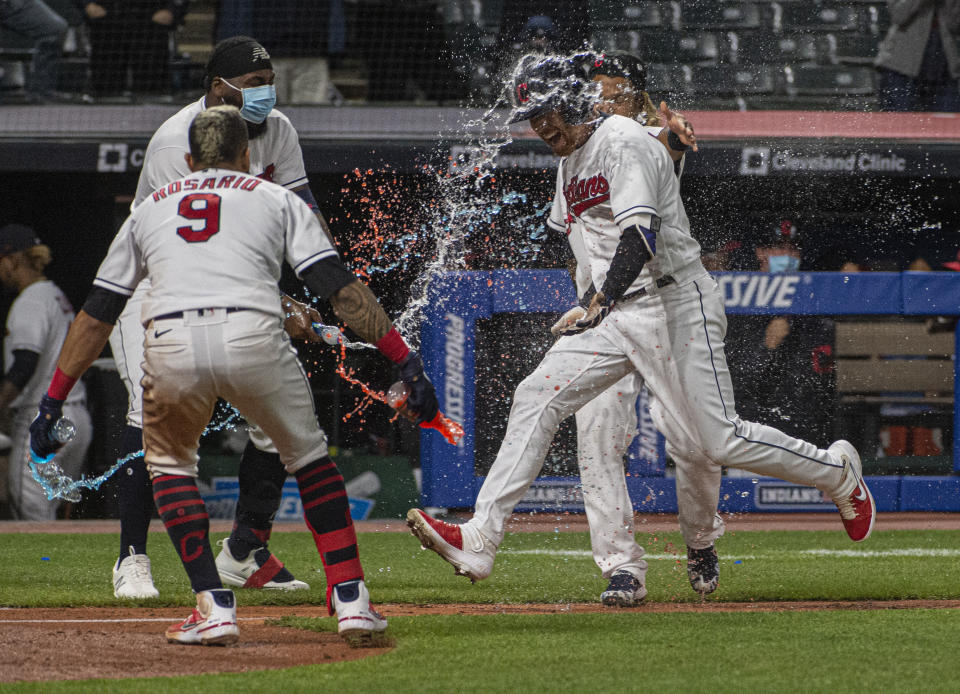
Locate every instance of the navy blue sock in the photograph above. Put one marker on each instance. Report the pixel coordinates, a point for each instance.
(134, 495)
(185, 517)
(261, 478)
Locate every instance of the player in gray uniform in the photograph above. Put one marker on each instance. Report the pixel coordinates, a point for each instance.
(212, 244)
(36, 325)
(239, 73)
(657, 312)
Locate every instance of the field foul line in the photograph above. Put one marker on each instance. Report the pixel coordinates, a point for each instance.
(111, 621)
(802, 554)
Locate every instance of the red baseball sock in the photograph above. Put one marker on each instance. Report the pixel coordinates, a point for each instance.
(327, 512)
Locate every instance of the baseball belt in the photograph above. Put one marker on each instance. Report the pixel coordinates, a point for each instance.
(661, 283)
(179, 314)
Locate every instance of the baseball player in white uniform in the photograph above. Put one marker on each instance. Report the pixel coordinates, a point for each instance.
(238, 72)
(657, 312)
(36, 325)
(607, 424)
(212, 244)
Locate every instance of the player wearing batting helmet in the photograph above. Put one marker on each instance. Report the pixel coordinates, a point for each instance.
(656, 312)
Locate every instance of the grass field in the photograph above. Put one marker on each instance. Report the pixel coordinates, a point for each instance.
(834, 650)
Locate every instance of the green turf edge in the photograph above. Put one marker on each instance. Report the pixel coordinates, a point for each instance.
(825, 651)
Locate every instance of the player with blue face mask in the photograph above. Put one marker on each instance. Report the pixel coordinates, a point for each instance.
(257, 101)
(238, 73)
(780, 253)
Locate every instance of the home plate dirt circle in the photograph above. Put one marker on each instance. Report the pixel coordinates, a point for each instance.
(117, 643)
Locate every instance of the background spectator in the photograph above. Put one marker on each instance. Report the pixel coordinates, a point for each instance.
(131, 35)
(302, 38)
(35, 20)
(918, 61)
(783, 366)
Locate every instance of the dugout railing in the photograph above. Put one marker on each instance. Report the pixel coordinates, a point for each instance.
(449, 339)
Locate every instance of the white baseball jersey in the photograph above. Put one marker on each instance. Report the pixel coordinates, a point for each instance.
(274, 156)
(216, 238)
(38, 321)
(606, 187)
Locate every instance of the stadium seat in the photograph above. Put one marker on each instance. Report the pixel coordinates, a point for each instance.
(760, 48)
(736, 81)
(852, 48)
(700, 49)
(803, 16)
(664, 80)
(829, 80)
(720, 15)
(632, 41)
(626, 15)
(12, 75)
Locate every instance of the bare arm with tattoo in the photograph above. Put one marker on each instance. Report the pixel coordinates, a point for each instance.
(356, 306)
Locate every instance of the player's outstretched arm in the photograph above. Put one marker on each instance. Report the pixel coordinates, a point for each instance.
(85, 341)
(356, 306)
(678, 134)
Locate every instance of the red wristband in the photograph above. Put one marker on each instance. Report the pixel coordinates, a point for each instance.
(60, 385)
(393, 347)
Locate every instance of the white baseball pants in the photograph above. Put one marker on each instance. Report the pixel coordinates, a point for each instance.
(605, 427)
(673, 337)
(126, 343)
(244, 357)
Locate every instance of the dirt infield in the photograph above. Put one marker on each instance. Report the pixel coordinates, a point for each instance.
(119, 643)
(126, 642)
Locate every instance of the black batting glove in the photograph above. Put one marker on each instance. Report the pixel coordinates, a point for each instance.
(42, 443)
(597, 310)
(423, 398)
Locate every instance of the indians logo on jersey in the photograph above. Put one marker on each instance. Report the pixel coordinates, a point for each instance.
(581, 195)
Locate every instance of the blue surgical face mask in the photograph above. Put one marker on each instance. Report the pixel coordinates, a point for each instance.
(783, 263)
(257, 101)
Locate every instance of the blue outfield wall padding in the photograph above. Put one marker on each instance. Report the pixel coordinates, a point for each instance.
(737, 495)
(824, 293)
(930, 494)
(457, 300)
(931, 294)
(448, 341)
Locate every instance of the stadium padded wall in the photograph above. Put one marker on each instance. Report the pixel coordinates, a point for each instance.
(448, 342)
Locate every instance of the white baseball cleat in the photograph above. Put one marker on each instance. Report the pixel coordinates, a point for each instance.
(855, 502)
(357, 622)
(132, 578)
(261, 569)
(461, 545)
(213, 621)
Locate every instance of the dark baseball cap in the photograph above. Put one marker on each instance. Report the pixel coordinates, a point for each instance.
(620, 64)
(784, 232)
(17, 237)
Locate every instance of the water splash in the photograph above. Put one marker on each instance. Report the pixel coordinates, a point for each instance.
(61, 486)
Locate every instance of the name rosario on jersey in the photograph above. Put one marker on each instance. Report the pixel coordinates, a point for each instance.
(583, 194)
(209, 183)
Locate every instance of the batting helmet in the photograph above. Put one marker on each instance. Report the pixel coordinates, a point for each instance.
(540, 84)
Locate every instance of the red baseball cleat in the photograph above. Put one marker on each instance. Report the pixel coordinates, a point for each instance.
(470, 553)
(857, 508)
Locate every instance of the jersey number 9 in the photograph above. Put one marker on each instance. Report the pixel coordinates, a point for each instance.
(208, 211)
